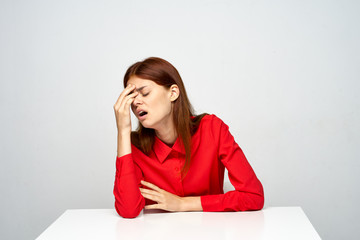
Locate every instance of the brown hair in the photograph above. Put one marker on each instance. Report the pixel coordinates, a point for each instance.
(163, 73)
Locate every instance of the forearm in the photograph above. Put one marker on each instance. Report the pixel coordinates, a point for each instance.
(123, 143)
(191, 204)
(232, 201)
(128, 200)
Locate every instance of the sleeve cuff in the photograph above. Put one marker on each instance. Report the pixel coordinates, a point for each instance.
(123, 162)
(211, 203)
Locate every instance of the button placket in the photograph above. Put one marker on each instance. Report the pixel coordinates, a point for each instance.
(179, 161)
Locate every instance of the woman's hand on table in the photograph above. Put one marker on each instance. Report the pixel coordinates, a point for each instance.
(168, 201)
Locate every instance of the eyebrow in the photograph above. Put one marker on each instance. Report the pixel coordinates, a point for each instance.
(140, 88)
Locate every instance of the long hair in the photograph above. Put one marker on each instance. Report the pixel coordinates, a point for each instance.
(186, 123)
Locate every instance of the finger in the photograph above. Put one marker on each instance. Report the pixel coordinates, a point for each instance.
(124, 93)
(154, 206)
(150, 196)
(150, 185)
(152, 192)
(125, 105)
(126, 98)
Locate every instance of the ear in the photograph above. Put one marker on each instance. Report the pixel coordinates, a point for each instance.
(174, 92)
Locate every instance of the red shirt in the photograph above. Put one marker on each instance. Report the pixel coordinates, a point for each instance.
(213, 149)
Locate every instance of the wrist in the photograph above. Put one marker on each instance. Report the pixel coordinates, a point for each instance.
(124, 143)
(183, 205)
(124, 132)
(191, 204)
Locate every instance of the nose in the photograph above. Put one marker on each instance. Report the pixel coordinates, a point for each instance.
(137, 100)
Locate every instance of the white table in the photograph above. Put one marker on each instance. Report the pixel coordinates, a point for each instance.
(269, 223)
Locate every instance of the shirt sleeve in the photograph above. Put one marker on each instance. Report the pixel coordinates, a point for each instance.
(248, 193)
(128, 200)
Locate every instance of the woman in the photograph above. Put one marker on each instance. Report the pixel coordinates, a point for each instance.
(175, 161)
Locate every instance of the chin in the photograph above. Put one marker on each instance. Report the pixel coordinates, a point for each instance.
(146, 125)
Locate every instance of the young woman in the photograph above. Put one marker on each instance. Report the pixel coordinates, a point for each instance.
(175, 161)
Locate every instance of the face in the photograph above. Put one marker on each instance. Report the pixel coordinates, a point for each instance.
(153, 105)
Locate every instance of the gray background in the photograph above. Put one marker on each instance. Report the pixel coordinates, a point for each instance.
(284, 75)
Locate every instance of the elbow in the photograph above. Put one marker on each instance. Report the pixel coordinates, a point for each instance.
(127, 212)
(259, 202)
(254, 202)
(257, 199)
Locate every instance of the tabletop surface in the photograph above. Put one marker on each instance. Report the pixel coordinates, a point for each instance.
(269, 223)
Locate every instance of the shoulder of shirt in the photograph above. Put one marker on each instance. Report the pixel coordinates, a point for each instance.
(211, 120)
(211, 117)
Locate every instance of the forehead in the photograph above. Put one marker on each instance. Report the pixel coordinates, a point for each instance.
(139, 82)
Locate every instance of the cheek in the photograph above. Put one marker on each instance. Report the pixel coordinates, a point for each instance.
(160, 103)
(165, 107)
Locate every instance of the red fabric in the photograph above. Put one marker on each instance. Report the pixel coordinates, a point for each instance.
(213, 149)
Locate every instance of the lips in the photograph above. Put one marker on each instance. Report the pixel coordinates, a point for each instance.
(141, 113)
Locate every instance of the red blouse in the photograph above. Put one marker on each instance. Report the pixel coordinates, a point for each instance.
(213, 149)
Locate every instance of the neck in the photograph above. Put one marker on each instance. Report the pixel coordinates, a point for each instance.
(167, 133)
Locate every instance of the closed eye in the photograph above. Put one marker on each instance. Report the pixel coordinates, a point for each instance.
(145, 94)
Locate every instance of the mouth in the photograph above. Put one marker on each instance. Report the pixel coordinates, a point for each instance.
(142, 115)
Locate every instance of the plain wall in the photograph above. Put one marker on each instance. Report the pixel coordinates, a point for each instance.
(284, 75)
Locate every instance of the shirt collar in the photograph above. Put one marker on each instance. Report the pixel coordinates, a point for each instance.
(162, 150)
